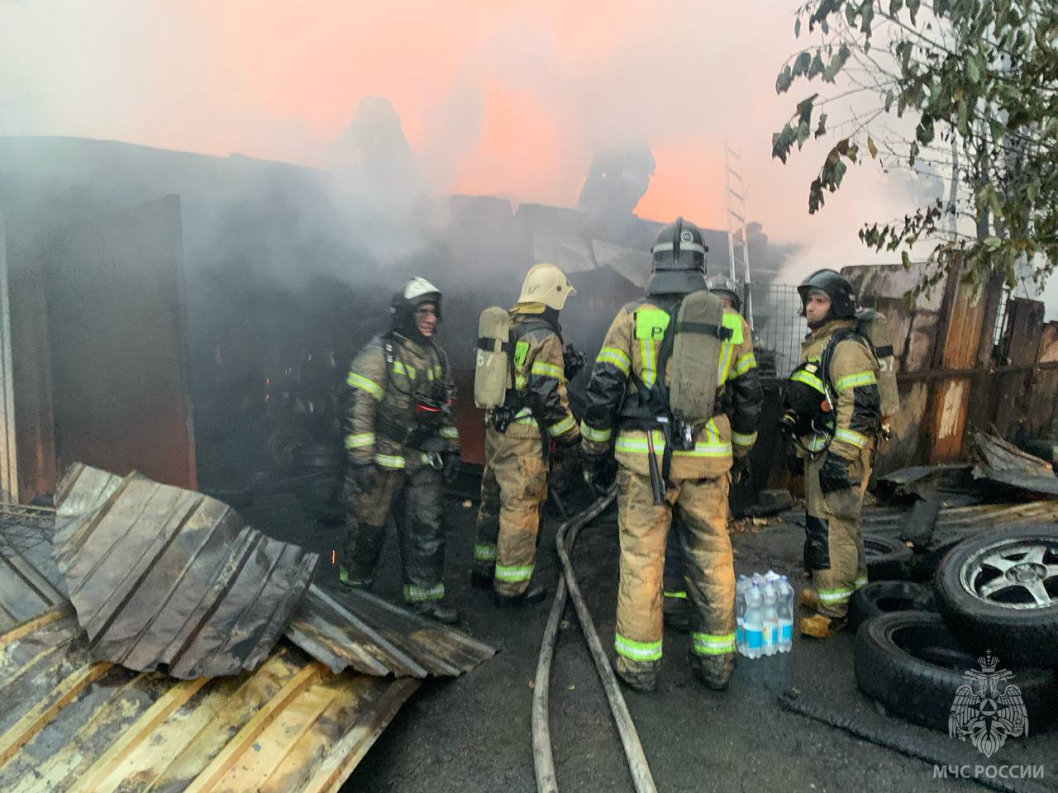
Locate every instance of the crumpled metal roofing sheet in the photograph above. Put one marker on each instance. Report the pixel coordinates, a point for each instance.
(161, 575)
(73, 725)
(360, 631)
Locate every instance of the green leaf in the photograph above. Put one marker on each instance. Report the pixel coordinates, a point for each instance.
(817, 67)
(912, 7)
(992, 243)
(973, 72)
(801, 64)
(905, 260)
(784, 80)
(888, 100)
(821, 130)
(797, 28)
(872, 148)
(895, 6)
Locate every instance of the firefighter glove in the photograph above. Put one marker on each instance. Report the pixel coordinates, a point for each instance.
(741, 470)
(600, 471)
(451, 466)
(834, 474)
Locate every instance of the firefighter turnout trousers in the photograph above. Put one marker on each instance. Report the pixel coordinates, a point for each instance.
(414, 497)
(833, 552)
(702, 508)
(513, 489)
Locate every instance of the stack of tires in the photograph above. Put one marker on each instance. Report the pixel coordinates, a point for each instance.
(997, 629)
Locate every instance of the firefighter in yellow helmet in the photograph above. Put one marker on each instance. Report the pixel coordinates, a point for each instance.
(664, 466)
(519, 440)
(833, 415)
(401, 442)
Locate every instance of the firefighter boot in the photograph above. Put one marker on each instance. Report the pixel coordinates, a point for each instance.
(639, 676)
(713, 670)
(819, 627)
(809, 599)
(531, 595)
(437, 612)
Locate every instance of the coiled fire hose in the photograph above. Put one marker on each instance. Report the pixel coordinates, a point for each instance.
(543, 759)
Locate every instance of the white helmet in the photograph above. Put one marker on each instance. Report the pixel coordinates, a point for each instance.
(546, 284)
(416, 292)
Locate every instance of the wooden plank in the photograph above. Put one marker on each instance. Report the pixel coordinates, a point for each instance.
(44, 711)
(219, 766)
(345, 755)
(133, 737)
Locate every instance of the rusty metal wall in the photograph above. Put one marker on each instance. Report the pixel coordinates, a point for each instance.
(1019, 347)
(1043, 392)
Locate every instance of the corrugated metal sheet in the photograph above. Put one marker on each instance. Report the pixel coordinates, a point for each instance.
(73, 725)
(162, 575)
(30, 583)
(360, 631)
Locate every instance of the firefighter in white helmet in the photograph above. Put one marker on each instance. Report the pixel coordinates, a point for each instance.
(401, 442)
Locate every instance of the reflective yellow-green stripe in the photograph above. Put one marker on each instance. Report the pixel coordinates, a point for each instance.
(647, 352)
(679, 595)
(360, 440)
(389, 460)
(520, 381)
(565, 425)
(542, 369)
(451, 433)
(861, 582)
(727, 351)
(801, 376)
(485, 552)
(371, 387)
(740, 439)
(704, 448)
(857, 439)
(815, 442)
(744, 363)
(713, 643)
(853, 380)
(637, 651)
(421, 594)
(513, 573)
(840, 595)
(616, 357)
(407, 371)
(594, 435)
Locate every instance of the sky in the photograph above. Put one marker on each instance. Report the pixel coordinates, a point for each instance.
(495, 96)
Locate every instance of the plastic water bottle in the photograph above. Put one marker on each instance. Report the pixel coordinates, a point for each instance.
(752, 624)
(769, 617)
(785, 614)
(740, 613)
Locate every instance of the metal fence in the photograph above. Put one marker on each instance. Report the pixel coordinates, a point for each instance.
(778, 328)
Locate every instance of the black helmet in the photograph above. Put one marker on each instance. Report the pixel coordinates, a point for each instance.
(412, 295)
(723, 285)
(837, 288)
(679, 260)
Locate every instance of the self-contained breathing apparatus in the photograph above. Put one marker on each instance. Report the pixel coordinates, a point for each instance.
(694, 343)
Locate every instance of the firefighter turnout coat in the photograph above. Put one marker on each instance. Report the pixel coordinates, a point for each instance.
(398, 443)
(514, 485)
(696, 485)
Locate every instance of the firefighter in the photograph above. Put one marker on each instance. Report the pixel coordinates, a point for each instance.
(401, 443)
(833, 413)
(519, 439)
(628, 399)
(675, 608)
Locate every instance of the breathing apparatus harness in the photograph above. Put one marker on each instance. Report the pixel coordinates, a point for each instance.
(805, 413)
(432, 409)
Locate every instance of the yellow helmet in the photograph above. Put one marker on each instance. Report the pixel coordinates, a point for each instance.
(546, 284)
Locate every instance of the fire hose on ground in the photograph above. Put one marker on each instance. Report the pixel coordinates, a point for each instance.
(543, 759)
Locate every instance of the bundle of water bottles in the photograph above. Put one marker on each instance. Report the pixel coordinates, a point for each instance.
(764, 607)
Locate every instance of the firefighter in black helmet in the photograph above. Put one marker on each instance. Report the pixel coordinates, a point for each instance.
(401, 441)
(629, 392)
(833, 415)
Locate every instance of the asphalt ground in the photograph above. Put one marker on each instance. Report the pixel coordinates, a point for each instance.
(474, 733)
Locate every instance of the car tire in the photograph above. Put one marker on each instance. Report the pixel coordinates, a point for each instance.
(912, 664)
(885, 597)
(888, 559)
(999, 591)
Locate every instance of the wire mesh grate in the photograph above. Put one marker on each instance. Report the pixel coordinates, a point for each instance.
(778, 328)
